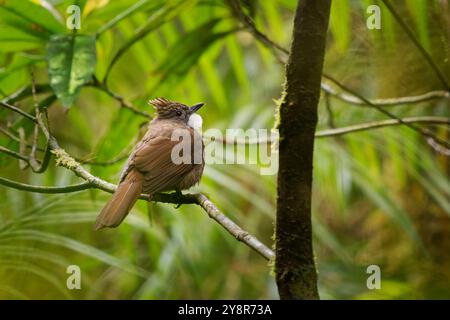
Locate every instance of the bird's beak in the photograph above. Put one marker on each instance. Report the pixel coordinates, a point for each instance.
(195, 107)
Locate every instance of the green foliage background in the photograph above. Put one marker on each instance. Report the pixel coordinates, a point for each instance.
(380, 197)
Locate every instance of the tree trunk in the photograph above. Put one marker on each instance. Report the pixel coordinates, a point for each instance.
(295, 270)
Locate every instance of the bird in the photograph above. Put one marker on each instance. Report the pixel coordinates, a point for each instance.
(153, 166)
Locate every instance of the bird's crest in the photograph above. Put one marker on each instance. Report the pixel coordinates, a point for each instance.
(164, 106)
(160, 102)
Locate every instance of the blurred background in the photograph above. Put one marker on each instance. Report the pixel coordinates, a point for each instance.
(380, 196)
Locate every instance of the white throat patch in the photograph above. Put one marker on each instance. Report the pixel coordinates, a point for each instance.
(195, 121)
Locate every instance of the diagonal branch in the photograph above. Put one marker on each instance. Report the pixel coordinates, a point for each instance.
(14, 154)
(380, 124)
(422, 50)
(431, 95)
(197, 198)
(281, 54)
(424, 132)
(22, 147)
(44, 189)
(25, 92)
(17, 110)
(425, 120)
(239, 233)
(63, 159)
(122, 101)
(15, 138)
(114, 160)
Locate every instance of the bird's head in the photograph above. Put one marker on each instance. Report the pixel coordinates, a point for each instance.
(173, 110)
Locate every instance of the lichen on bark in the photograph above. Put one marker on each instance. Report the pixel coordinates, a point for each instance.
(295, 269)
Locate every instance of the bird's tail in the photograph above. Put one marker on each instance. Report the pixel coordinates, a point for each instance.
(121, 202)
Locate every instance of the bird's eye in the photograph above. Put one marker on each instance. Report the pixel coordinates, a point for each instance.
(178, 113)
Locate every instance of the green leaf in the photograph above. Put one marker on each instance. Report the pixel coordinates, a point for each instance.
(30, 17)
(155, 21)
(71, 63)
(186, 52)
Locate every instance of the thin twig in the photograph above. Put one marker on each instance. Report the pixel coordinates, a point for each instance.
(420, 130)
(14, 154)
(65, 160)
(437, 94)
(422, 50)
(114, 160)
(247, 21)
(276, 49)
(199, 199)
(41, 166)
(329, 111)
(44, 189)
(44, 163)
(241, 15)
(123, 103)
(18, 110)
(428, 120)
(22, 147)
(33, 163)
(9, 134)
(239, 233)
(17, 139)
(380, 124)
(25, 92)
(121, 156)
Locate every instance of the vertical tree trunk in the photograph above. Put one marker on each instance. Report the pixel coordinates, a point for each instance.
(294, 263)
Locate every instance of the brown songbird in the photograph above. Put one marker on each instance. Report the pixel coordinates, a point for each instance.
(169, 157)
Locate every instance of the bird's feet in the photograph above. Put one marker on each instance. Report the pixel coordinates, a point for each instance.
(179, 195)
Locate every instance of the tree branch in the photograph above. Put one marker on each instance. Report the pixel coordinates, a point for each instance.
(123, 103)
(114, 160)
(239, 233)
(198, 198)
(44, 189)
(428, 120)
(380, 124)
(34, 164)
(16, 139)
(63, 159)
(295, 269)
(22, 147)
(17, 110)
(277, 50)
(424, 132)
(25, 92)
(14, 154)
(431, 95)
(422, 50)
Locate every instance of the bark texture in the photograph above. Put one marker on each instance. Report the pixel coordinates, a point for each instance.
(295, 270)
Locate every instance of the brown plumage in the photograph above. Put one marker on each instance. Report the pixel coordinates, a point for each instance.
(150, 168)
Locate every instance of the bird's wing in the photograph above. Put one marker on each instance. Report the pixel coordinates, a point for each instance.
(153, 158)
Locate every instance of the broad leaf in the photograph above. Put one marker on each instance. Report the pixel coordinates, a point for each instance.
(71, 63)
